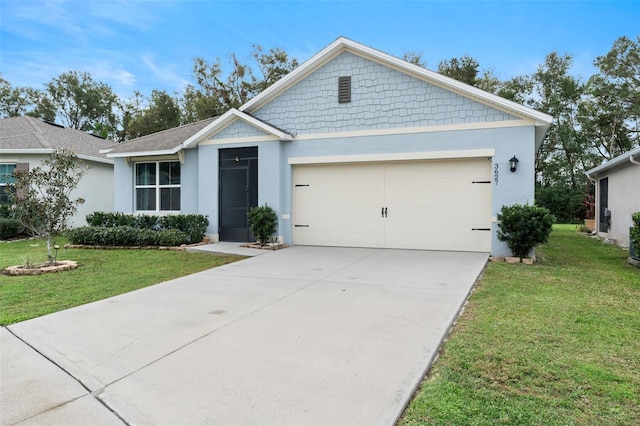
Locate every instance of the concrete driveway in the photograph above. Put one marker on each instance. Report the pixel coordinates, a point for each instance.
(305, 335)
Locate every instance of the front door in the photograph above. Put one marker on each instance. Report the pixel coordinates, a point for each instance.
(238, 192)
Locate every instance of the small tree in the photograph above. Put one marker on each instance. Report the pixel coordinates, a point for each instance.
(41, 198)
(263, 221)
(523, 227)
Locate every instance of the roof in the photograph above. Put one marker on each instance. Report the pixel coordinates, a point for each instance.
(160, 143)
(189, 136)
(29, 135)
(632, 156)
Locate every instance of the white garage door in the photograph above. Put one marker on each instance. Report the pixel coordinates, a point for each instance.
(432, 205)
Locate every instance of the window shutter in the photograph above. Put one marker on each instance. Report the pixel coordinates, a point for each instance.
(344, 89)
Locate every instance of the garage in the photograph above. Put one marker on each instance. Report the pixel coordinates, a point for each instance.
(427, 205)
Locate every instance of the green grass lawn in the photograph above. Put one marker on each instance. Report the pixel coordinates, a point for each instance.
(557, 343)
(101, 274)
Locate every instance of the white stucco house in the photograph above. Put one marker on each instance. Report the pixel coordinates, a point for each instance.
(26, 141)
(354, 148)
(617, 195)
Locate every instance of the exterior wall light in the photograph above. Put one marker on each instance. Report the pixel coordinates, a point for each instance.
(514, 163)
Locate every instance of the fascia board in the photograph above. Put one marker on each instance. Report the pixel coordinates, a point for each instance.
(95, 159)
(48, 151)
(195, 138)
(27, 151)
(228, 118)
(621, 159)
(142, 153)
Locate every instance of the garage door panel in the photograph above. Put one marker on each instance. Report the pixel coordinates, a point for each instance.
(430, 204)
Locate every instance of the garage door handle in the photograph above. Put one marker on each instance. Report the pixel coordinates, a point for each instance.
(382, 212)
(385, 212)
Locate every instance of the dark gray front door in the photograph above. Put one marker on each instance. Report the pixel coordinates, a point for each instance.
(238, 192)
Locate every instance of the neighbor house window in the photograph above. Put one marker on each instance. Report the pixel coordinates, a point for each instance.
(158, 186)
(6, 178)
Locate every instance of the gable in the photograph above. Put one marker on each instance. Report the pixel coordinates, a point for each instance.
(381, 98)
(239, 129)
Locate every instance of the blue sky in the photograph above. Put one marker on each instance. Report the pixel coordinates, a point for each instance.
(144, 45)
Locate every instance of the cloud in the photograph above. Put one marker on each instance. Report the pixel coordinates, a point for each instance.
(165, 73)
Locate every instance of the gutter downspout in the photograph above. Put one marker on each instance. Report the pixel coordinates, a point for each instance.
(634, 161)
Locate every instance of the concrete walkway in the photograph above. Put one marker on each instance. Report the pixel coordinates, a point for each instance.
(304, 335)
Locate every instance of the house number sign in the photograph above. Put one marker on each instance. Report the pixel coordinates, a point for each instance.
(496, 173)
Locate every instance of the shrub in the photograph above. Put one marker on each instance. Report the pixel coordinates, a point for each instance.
(263, 222)
(194, 225)
(523, 227)
(634, 235)
(125, 236)
(9, 228)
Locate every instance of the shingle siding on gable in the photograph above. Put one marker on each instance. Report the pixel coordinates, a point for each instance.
(238, 129)
(381, 98)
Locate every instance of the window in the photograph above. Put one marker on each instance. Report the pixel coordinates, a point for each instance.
(6, 177)
(158, 186)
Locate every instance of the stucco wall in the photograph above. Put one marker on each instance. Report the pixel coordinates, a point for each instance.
(624, 200)
(382, 98)
(96, 186)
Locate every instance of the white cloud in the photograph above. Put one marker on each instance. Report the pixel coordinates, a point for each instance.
(165, 74)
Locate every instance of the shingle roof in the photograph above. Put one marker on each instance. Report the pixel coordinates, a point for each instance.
(166, 141)
(27, 134)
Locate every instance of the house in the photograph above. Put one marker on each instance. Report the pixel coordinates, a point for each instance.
(353, 148)
(617, 195)
(26, 141)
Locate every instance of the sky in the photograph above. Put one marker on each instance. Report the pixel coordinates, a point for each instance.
(150, 44)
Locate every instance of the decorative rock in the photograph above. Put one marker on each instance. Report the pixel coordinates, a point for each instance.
(496, 259)
(528, 260)
(512, 259)
(61, 265)
(634, 262)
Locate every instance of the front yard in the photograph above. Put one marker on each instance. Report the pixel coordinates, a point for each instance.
(102, 274)
(557, 343)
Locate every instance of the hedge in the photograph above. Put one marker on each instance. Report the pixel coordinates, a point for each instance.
(9, 228)
(194, 225)
(125, 236)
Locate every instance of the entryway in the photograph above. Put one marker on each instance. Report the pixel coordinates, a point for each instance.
(238, 192)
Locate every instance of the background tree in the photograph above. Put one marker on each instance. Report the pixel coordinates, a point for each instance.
(41, 198)
(81, 103)
(464, 69)
(14, 101)
(162, 113)
(216, 92)
(620, 68)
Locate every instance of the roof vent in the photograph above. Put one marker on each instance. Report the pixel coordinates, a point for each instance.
(344, 89)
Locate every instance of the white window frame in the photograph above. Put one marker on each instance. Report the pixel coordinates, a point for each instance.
(155, 186)
(15, 167)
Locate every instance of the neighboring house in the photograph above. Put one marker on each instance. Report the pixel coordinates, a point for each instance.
(26, 141)
(617, 195)
(354, 148)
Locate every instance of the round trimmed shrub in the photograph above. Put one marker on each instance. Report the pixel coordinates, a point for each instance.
(263, 221)
(523, 226)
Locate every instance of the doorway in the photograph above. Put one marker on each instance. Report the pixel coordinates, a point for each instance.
(238, 192)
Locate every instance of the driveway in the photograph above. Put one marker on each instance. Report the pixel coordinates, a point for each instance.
(305, 335)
